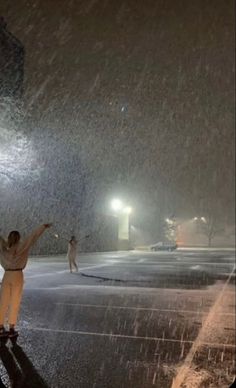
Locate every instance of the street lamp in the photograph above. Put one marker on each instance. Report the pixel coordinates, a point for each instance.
(116, 205)
(122, 212)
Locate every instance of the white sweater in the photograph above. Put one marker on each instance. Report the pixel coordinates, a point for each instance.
(16, 257)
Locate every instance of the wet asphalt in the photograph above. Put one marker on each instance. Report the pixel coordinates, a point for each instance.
(126, 320)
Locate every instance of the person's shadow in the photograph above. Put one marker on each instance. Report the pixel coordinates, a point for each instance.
(21, 372)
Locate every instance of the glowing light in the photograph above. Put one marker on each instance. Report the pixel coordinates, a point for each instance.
(127, 210)
(116, 205)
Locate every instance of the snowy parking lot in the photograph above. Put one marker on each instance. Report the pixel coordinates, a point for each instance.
(134, 319)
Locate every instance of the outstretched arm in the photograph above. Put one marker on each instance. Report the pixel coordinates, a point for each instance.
(31, 240)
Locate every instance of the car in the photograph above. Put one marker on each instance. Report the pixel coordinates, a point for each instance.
(161, 246)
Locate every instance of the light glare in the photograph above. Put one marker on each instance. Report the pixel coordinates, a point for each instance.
(116, 204)
(128, 210)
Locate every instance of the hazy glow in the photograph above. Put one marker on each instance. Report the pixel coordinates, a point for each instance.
(203, 219)
(16, 155)
(116, 205)
(127, 210)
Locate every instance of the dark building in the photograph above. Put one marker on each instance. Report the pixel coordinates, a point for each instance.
(11, 63)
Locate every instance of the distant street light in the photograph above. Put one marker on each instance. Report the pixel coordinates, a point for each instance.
(122, 212)
(203, 219)
(117, 205)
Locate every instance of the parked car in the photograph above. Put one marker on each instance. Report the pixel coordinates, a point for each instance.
(161, 246)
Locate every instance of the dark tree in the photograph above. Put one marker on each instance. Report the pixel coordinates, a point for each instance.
(11, 63)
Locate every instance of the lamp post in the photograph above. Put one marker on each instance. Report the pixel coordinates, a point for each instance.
(122, 212)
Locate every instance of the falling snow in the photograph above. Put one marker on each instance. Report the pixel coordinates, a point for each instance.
(130, 100)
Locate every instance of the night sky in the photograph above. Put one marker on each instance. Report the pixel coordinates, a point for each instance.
(132, 97)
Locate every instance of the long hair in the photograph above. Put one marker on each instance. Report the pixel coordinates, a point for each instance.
(13, 238)
(73, 239)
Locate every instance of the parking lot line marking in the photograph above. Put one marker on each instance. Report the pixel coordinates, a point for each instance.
(139, 308)
(111, 335)
(185, 368)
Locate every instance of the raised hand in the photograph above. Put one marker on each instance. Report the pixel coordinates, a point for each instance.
(48, 225)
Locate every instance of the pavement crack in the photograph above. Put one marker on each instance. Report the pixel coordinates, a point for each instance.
(103, 278)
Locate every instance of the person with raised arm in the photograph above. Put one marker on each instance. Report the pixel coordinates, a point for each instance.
(14, 255)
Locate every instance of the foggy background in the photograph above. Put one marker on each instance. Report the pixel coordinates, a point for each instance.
(120, 99)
